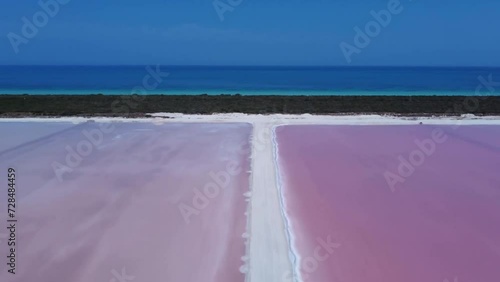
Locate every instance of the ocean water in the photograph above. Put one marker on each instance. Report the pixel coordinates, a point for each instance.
(248, 80)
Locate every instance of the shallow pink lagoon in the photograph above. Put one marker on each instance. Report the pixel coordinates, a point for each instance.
(130, 202)
(439, 221)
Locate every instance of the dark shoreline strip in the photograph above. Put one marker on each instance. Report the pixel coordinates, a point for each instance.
(129, 106)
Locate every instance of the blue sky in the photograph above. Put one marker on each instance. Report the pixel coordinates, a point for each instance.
(255, 32)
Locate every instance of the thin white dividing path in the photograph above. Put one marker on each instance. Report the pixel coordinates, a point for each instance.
(269, 249)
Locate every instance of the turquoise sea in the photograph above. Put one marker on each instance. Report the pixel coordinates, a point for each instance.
(249, 80)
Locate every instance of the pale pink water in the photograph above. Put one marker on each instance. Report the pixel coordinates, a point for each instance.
(442, 223)
(117, 215)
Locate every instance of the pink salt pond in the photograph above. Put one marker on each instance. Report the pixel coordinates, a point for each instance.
(392, 203)
(127, 201)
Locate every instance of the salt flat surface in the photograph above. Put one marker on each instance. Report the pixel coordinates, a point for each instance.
(79, 241)
(392, 203)
(112, 201)
(15, 133)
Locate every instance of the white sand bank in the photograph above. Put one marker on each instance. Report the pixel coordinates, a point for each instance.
(278, 119)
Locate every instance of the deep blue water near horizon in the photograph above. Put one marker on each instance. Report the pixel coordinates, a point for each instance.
(248, 80)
